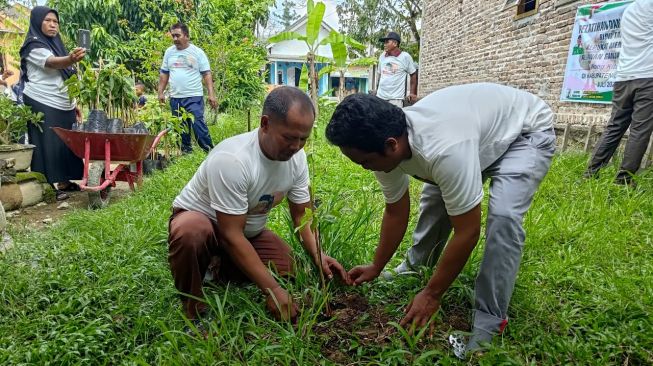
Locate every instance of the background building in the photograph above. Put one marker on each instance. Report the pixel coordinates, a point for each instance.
(521, 43)
(285, 61)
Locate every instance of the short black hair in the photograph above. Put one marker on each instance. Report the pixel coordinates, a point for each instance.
(365, 122)
(182, 26)
(281, 99)
(139, 83)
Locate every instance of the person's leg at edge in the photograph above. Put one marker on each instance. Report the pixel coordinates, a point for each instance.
(195, 105)
(622, 109)
(640, 130)
(191, 244)
(431, 232)
(514, 179)
(175, 105)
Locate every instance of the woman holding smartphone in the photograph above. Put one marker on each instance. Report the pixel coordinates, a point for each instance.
(45, 64)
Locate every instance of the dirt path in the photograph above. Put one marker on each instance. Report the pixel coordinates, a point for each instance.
(45, 214)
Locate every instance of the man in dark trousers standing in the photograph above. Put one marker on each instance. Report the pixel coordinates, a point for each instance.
(632, 101)
(185, 66)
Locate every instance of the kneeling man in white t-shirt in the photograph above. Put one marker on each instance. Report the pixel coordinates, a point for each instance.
(452, 140)
(219, 219)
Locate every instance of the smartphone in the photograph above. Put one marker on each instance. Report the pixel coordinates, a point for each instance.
(84, 39)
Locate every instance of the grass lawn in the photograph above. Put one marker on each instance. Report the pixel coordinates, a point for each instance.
(96, 288)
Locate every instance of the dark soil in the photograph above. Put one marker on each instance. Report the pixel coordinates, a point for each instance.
(354, 319)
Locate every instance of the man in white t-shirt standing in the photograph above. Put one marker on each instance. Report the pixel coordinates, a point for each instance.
(185, 66)
(452, 140)
(219, 219)
(632, 104)
(394, 67)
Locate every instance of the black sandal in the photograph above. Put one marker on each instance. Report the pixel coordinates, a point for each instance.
(61, 195)
(70, 187)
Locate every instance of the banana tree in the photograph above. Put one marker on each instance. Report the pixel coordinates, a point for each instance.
(312, 40)
(340, 63)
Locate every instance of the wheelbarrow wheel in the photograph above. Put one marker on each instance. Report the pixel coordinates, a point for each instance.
(99, 199)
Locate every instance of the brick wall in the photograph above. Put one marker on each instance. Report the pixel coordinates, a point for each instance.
(468, 40)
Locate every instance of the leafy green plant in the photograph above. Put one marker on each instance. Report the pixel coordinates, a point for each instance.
(135, 33)
(340, 63)
(78, 293)
(14, 119)
(109, 87)
(158, 117)
(117, 86)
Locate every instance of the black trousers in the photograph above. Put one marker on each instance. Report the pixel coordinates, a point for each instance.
(632, 106)
(51, 155)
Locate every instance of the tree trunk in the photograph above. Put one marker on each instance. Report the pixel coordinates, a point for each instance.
(312, 75)
(341, 87)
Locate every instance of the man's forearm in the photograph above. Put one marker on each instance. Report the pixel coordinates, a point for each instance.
(308, 242)
(306, 235)
(163, 82)
(243, 254)
(413, 83)
(452, 262)
(208, 81)
(393, 228)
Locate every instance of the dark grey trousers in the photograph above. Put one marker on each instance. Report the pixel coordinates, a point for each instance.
(514, 179)
(632, 106)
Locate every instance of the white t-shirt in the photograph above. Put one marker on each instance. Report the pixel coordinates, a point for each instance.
(236, 178)
(636, 56)
(394, 70)
(185, 68)
(457, 132)
(45, 84)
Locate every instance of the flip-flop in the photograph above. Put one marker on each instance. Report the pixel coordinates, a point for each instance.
(61, 195)
(71, 187)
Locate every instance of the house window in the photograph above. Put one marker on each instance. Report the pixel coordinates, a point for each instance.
(279, 77)
(526, 8)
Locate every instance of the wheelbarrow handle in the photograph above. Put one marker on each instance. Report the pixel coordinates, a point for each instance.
(157, 139)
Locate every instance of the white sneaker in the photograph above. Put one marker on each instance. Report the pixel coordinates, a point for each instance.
(400, 270)
(457, 343)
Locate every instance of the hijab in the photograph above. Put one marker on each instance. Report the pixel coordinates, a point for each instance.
(37, 39)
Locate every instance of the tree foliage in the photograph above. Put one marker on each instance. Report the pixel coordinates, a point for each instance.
(288, 14)
(135, 33)
(369, 20)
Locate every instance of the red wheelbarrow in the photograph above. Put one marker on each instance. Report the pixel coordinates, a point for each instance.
(99, 150)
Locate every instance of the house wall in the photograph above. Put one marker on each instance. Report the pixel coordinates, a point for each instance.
(467, 41)
(298, 49)
(285, 66)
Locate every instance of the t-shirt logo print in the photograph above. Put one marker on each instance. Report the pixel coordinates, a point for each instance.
(264, 205)
(390, 68)
(184, 62)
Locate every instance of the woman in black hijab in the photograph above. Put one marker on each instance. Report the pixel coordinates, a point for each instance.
(45, 64)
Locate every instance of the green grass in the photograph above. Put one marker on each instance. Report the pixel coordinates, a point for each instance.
(96, 288)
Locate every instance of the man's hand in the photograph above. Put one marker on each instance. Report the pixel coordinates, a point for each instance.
(412, 98)
(372, 91)
(330, 265)
(362, 274)
(213, 103)
(280, 304)
(162, 98)
(77, 54)
(420, 310)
